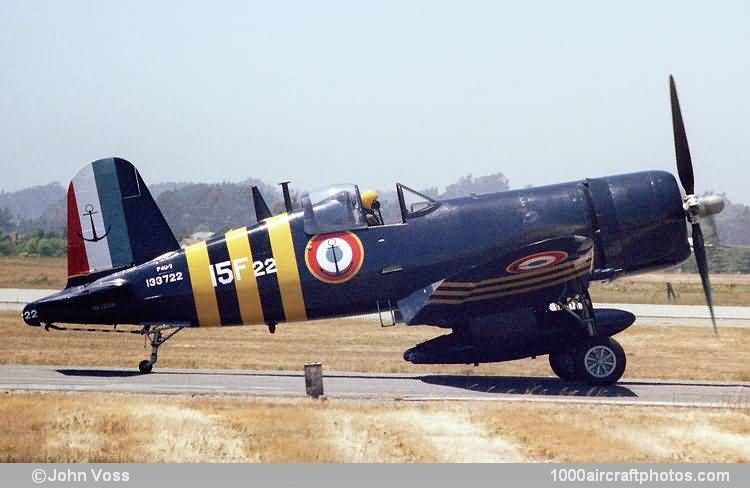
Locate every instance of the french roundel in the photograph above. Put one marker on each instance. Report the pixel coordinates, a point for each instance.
(335, 257)
(536, 261)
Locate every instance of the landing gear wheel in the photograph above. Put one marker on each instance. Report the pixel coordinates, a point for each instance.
(563, 364)
(157, 339)
(600, 361)
(145, 366)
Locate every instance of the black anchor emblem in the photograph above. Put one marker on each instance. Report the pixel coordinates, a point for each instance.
(334, 252)
(90, 213)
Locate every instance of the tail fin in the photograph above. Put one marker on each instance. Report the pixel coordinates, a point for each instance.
(113, 222)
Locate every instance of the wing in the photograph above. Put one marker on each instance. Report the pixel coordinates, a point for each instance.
(538, 273)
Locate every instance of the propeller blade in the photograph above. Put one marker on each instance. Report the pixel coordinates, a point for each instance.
(699, 249)
(681, 148)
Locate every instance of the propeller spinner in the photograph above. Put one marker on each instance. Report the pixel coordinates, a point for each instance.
(695, 207)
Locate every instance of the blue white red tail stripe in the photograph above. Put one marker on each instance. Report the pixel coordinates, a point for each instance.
(113, 221)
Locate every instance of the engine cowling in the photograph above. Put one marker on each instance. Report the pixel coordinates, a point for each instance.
(639, 222)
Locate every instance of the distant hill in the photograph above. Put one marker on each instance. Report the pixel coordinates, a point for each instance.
(191, 207)
(159, 188)
(733, 224)
(30, 203)
(212, 206)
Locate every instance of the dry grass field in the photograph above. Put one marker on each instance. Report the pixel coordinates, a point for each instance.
(729, 289)
(360, 344)
(108, 427)
(98, 427)
(33, 272)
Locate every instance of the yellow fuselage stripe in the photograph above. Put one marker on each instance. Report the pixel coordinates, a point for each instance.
(204, 295)
(282, 246)
(245, 281)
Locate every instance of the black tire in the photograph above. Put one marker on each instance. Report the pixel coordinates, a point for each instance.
(145, 366)
(563, 365)
(600, 361)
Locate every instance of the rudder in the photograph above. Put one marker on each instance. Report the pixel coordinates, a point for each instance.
(113, 221)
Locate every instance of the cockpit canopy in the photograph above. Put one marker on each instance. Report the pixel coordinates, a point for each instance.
(339, 207)
(333, 209)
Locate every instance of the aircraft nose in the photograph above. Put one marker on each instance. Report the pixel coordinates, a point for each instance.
(30, 315)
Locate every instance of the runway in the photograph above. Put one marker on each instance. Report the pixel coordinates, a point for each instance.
(684, 315)
(372, 386)
(14, 299)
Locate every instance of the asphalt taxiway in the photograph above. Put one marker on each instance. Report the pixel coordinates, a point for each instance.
(393, 386)
(372, 386)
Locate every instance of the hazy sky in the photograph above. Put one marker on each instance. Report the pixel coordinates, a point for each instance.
(372, 92)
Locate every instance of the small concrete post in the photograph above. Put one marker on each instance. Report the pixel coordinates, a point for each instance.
(314, 379)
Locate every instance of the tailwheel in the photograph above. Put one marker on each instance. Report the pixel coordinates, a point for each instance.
(563, 364)
(145, 366)
(599, 361)
(157, 339)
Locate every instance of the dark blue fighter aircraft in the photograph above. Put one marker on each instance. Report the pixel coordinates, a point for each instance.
(507, 273)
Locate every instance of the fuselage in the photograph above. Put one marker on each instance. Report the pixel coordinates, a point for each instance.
(268, 273)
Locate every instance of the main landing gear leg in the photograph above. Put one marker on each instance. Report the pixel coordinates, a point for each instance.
(157, 339)
(585, 313)
(595, 360)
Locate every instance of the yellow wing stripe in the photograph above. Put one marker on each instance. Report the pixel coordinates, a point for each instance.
(245, 281)
(204, 295)
(461, 301)
(520, 282)
(282, 247)
(518, 277)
